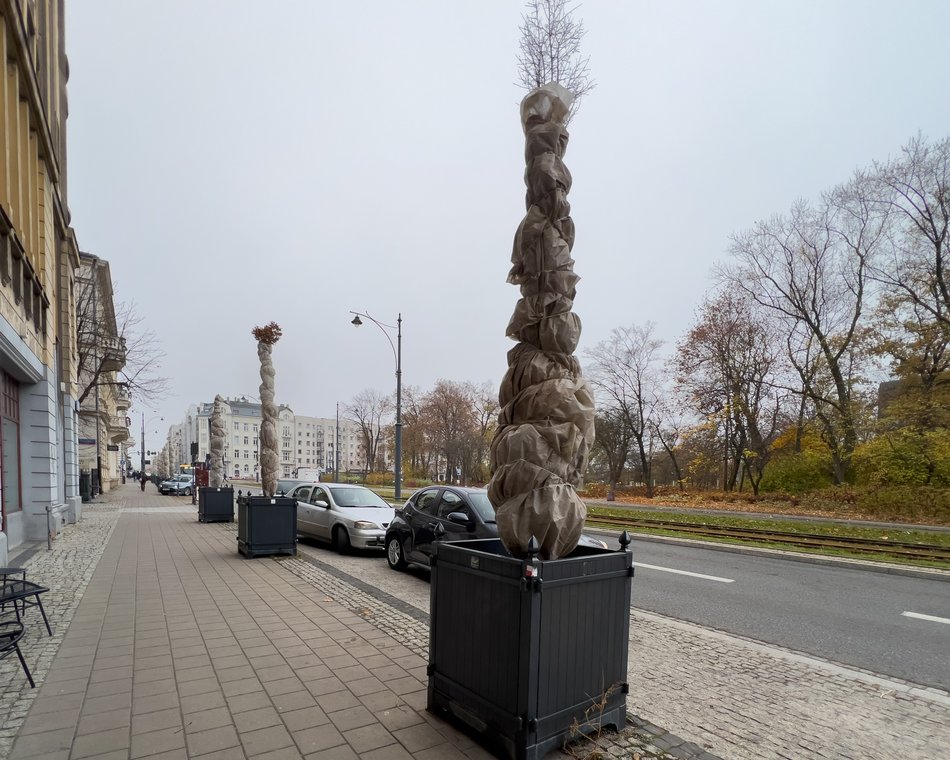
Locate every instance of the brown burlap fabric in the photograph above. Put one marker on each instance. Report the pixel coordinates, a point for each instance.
(546, 424)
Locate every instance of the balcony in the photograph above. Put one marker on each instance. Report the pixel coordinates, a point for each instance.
(118, 429)
(123, 400)
(113, 354)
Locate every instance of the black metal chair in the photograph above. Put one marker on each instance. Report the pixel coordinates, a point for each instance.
(11, 631)
(21, 593)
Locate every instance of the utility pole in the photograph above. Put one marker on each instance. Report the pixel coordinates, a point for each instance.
(337, 477)
(142, 469)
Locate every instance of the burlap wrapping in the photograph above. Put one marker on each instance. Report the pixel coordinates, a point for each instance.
(218, 434)
(546, 423)
(268, 432)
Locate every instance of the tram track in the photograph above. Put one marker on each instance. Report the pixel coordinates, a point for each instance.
(898, 549)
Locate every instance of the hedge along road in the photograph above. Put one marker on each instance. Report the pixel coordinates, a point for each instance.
(844, 612)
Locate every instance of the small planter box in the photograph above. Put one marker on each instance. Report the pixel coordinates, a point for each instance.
(523, 650)
(215, 504)
(267, 525)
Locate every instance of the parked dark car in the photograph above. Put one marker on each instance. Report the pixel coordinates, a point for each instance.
(464, 513)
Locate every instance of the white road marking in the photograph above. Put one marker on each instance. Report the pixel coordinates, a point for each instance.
(684, 572)
(921, 616)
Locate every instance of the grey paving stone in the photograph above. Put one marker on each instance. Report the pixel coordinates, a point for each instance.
(212, 740)
(264, 740)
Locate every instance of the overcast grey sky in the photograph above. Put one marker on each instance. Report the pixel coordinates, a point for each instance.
(239, 162)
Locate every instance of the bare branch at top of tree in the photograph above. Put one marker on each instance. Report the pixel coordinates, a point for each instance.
(550, 50)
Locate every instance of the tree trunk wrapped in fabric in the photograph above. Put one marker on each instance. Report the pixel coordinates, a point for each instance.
(266, 338)
(546, 424)
(218, 434)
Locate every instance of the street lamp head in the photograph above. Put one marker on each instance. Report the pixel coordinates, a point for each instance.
(356, 321)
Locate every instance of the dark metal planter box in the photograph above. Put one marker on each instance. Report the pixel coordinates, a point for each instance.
(520, 658)
(267, 525)
(215, 504)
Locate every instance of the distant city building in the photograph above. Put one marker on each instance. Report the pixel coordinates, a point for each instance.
(308, 442)
(316, 444)
(103, 424)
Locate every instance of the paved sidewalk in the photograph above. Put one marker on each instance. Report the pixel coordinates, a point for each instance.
(168, 644)
(182, 648)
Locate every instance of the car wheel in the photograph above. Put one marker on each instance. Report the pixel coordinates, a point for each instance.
(341, 540)
(187, 492)
(394, 553)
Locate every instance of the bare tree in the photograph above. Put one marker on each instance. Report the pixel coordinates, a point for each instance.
(669, 427)
(613, 444)
(454, 428)
(727, 367)
(416, 447)
(96, 343)
(368, 409)
(550, 50)
(810, 271)
(624, 370)
(914, 191)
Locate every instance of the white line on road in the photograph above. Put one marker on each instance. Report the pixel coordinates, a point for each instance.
(922, 616)
(684, 572)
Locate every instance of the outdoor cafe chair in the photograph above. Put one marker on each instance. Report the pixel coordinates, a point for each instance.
(11, 631)
(21, 593)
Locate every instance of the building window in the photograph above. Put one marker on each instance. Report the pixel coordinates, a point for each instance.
(245, 427)
(245, 440)
(236, 426)
(286, 456)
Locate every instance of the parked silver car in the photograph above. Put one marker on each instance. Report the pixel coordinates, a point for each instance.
(346, 515)
(179, 485)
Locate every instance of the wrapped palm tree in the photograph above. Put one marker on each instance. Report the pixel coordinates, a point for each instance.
(546, 424)
(266, 337)
(218, 434)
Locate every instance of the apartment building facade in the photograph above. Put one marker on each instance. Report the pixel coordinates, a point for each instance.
(309, 442)
(39, 256)
(104, 399)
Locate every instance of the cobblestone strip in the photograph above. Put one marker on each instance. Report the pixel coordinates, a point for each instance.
(65, 570)
(640, 740)
(744, 700)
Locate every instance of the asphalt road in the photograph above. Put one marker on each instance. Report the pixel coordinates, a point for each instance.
(843, 614)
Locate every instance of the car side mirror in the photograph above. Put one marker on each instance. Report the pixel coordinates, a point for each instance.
(321, 503)
(458, 517)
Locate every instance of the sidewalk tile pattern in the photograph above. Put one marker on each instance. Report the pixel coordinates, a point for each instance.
(167, 644)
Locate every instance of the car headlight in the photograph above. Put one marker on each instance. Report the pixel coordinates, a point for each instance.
(366, 525)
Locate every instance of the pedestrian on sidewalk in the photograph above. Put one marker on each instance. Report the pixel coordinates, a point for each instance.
(144, 481)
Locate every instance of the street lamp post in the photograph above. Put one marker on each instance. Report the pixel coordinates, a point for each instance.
(397, 354)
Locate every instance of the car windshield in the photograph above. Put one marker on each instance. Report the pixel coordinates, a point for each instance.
(358, 497)
(483, 506)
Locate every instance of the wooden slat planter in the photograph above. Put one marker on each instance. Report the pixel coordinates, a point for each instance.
(267, 525)
(215, 504)
(523, 650)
